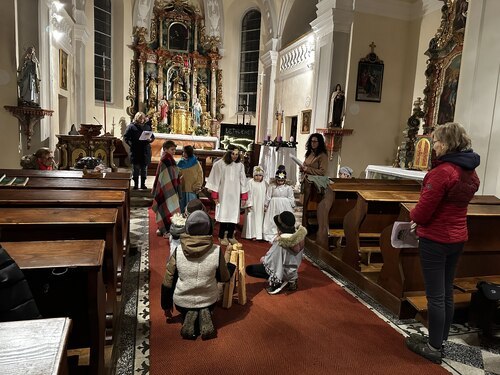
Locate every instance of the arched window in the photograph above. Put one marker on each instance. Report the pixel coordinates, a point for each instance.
(102, 49)
(249, 61)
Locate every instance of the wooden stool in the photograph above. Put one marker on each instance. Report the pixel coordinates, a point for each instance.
(238, 278)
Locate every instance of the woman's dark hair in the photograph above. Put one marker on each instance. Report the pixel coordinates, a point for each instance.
(321, 149)
(189, 150)
(227, 155)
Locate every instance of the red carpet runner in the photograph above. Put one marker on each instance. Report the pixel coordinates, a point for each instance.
(320, 329)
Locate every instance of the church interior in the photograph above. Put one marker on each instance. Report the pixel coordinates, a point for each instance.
(374, 77)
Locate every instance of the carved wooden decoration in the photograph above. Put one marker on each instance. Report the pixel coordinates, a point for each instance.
(443, 68)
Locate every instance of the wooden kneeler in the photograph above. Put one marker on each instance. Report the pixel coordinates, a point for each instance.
(238, 278)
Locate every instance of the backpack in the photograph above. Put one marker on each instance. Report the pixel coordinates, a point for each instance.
(485, 307)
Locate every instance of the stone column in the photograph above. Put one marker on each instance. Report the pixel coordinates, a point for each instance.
(140, 100)
(213, 87)
(160, 80)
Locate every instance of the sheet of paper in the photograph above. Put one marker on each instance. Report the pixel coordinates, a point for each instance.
(402, 236)
(296, 160)
(145, 135)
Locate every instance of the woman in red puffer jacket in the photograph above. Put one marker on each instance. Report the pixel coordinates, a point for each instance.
(441, 219)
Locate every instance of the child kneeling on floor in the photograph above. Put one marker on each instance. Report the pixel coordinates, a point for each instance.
(191, 277)
(281, 263)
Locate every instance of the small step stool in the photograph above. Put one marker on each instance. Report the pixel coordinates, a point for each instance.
(237, 280)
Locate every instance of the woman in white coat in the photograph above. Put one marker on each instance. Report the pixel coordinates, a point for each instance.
(227, 182)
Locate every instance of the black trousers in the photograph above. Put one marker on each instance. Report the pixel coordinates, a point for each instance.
(439, 263)
(257, 270)
(226, 227)
(142, 170)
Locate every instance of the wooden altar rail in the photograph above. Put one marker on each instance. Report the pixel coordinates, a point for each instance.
(48, 224)
(77, 291)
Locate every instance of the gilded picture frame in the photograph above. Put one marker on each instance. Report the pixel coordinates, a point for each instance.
(443, 69)
(423, 153)
(305, 126)
(63, 70)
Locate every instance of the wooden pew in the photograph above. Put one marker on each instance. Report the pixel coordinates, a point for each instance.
(374, 211)
(61, 174)
(401, 274)
(339, 200)
(43, 224)
(78, 292)
(33, 347)
(71, 198)
(83, 184)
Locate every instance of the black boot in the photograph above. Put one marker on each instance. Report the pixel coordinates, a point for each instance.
(136, 183)
(207, 328)
(143, 183)
(188, 330)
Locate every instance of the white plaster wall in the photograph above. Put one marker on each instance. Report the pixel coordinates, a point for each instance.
(377, 126)
(478, 95)
(9, 128)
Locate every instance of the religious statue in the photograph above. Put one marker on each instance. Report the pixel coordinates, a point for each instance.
(213, 18)
(337, 108)
(202, 94)
(152, 91)
(197, 109)
(164, 108)
(28, 79)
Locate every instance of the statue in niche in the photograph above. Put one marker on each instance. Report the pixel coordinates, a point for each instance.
(197, 109)
(337, 108)
(28, 79)
(152, 90)
(202, 94)
(164, 108)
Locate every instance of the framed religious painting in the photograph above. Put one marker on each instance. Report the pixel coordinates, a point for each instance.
(443, 67)
(306, 121)
(63, 70)
(423, 153)
(370, 78)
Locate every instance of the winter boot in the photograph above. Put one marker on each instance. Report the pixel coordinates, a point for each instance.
(224, 241)
(207, 328)
(188, 330)
(143, 183)
(136, 183)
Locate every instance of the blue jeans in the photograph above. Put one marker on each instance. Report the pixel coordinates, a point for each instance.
(439, 263)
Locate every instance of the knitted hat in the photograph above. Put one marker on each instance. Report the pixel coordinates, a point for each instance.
(194, 205)
(199, 224)
(281, 173)
(258, 171)
(285, 222)
(346, 170)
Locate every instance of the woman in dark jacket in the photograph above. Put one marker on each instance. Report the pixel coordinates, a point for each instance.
(441, 219)
(140, 150)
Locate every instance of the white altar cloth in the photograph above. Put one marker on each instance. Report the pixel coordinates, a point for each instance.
(380, 171)
(270, 159)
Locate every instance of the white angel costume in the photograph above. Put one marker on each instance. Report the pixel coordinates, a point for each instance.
(254, 218)
(229, 181)
(279, 198)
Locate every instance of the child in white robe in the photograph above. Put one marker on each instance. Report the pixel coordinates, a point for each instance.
(279, 198)
(254, 210)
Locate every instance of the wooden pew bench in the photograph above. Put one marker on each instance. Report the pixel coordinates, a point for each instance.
(61, 174)
(341, 198)
(33, 347)
(469, 284)
(374, 211)
(419, 303)
(71, 198)
(66, 279)
(46, 224)
(401, 274)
